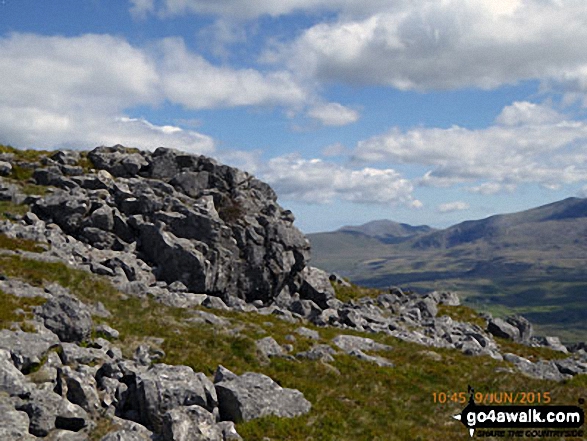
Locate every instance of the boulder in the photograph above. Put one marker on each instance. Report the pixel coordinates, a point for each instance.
(253, 395)
(27, 349)
(316, 286)
(163, 387)
(194, 423)
(12, 381)
(14, 424)
(268, 347)
(67, 317)
(48, 411)
(500, 328)
(350, 343)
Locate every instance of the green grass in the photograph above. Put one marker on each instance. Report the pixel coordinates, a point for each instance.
(354, 292)
(10, 306)
(10, 243)
(8, 210)
(351, 399)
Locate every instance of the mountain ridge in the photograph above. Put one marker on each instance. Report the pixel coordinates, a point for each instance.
(530, 260)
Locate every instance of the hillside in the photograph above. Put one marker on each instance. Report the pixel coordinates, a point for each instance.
(160, 296)
(529, 262)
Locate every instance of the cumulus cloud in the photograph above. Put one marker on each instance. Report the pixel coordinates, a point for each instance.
(450, 207)
(333, 114)
(190, 80)
(317, 181)
(423, 45)
(528, 143)
(77, 91)
(72, 92)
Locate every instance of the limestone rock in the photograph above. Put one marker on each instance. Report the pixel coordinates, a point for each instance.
(252, 395)
(67, 317)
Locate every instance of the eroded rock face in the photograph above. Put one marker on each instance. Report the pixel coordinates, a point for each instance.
(216, 229)
(253, 395)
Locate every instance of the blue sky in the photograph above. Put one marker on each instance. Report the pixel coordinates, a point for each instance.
(420, 111)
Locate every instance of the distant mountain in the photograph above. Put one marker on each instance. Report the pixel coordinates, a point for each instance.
(532, 262)
(387, 231)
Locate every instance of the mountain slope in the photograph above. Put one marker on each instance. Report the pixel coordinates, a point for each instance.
(530, 262)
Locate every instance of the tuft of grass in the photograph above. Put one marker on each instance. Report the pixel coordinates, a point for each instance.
(354, 292)
(11, 304)
(28, 155)
(10, 243)
(8, 210)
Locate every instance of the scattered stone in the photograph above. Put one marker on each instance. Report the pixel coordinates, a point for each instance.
(318, 352)
(252, 395)
(67, 317)
(268, 347)
(350, 343)
(500, 328)
(308, 333)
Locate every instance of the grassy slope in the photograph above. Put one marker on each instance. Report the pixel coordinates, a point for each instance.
(352, 400)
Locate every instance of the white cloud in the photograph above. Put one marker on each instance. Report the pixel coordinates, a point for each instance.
(317, 181)
(248, 9)
(72, 92)
(190, 80)
(77, 91)
(423, 45)
(333, 114)
(450, 207)
(535, 149)
(488, 188)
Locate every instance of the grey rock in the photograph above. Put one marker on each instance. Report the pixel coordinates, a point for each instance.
(67, 317)
(207, 317)
(80, 388)
(72, 354)
(500, 328)
(125, 435)
(214, 303)
(48, 411)
(5, 168)
(162, 388)
(316, 286)
(555, 344)
(306, 308)
(223, 374)
(318, 352)
(14, 424)
(107, 331)
(349, 343)
(335, 278)
(379, 361)
(12, 381)
(269, 347)
(449, 298)
(524, 327)
(308, 333)
(570, 366)
(252, 395)
(191, 423)
(27, 349)
(428, 307)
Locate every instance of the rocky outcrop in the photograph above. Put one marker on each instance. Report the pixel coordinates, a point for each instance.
(251, 395)
(214, 228)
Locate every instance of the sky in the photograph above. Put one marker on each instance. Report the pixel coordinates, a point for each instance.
(419, 111)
